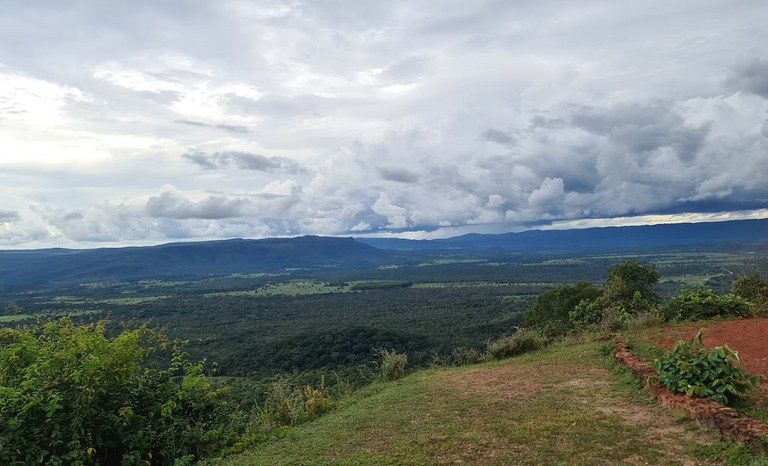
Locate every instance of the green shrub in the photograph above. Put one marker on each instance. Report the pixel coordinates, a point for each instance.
(702, 303)
(693, 370)
(392, 365)
(461, 356)
(289, 405)
(522, 341)
(753, 289)
(642, 320)
(551, 312)
(70, 394)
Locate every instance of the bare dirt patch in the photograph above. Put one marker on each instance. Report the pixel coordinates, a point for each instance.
(504, 382)
(745, 336)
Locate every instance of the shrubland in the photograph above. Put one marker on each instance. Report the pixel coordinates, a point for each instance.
(75, 392)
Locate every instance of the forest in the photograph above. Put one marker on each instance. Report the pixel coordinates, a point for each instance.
(255, 339)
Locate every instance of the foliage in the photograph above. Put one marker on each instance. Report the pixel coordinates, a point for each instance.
(630, 283)
(551, 313)
(702, 303)
(695, 371)
(392, 365)
(289, 405)
(753, 289)
(459, 357)
(71, 395)
(522, 341)
(627, 292)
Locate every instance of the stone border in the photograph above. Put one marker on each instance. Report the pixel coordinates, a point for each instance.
(702, 411)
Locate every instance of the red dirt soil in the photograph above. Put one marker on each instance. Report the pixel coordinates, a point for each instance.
(748, 337)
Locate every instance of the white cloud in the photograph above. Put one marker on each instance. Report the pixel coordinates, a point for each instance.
(418, 118)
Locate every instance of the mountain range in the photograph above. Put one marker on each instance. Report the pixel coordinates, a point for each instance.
(272, 254)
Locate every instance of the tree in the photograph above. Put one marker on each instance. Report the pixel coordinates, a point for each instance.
(628, 290)
(755, 290)
(550, 313)
(630, 282)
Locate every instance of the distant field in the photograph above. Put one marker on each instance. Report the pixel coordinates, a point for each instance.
(425, 307)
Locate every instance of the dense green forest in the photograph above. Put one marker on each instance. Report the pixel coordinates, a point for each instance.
(329, 320)
(279, 346)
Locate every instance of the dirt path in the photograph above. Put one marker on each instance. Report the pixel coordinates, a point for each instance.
(749, 337)
(591, 398)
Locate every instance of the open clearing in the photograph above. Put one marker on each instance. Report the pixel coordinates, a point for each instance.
(563, 405)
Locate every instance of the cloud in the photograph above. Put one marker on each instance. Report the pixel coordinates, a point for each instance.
(497, 136)
(549, 195)
(400, 174)
(395, 215)
(9, 216)
(245, 161)
(171, 205)
(238, 129)
(326, 118)
(749, 76)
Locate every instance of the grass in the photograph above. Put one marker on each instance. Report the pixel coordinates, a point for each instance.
(21, 317)
(14, 318)
(295, 288)
(562, 405)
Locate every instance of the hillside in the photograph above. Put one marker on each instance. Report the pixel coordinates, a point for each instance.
(277, 254)
(184, 259)
(563, 405)
(634, 238)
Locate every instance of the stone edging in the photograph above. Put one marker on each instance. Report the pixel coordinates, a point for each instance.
(702, 411)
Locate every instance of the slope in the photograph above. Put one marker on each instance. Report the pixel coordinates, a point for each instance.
(631, 238)
(562, 405)
(184, 259)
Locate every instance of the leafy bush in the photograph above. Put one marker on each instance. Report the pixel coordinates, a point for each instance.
(630, 285)
(459, 357)
(551, 312)
(392, 365)
(693, 370)
(522, 341)
(289, 405)
(702, 303)
(71, 395)
(753, 289)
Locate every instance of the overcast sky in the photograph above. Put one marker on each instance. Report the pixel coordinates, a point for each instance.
(149, 121)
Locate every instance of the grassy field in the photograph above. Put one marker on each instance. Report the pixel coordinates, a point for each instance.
(563, 405)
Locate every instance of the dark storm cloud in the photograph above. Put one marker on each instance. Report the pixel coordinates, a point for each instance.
(9, 216)
(171, 205)
(245, 161)
(643, 128)
(400, 174)
(750, 76)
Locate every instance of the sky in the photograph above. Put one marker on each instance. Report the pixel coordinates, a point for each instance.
(150, 121)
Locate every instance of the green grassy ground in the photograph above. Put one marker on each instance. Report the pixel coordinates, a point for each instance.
(563, 405)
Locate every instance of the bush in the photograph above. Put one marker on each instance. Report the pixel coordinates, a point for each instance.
(523, 341)
(702, 303)
(694, 371)
(551, 312)
(392, 365)
(289, 405)
(71, 395)
(460, 356)
(753, 289)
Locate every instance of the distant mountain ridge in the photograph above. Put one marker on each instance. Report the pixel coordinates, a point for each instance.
(275, 254)
(593, 239)
(178, 259)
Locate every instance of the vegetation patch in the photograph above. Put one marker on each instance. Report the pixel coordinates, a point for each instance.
(296, 288)
(695, 371)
